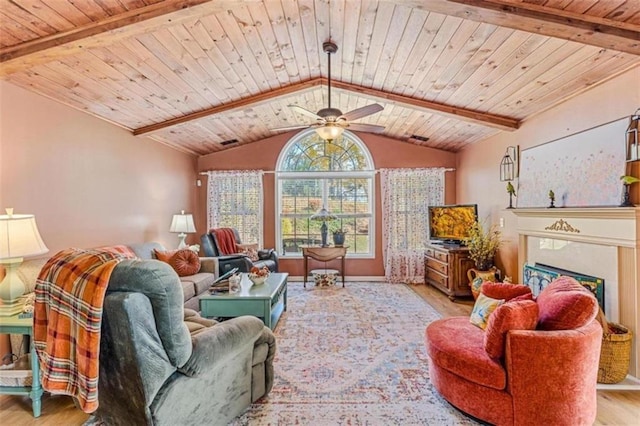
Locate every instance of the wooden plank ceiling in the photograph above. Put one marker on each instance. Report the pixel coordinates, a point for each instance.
(194, 73)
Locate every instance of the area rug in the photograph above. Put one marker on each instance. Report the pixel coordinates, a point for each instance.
(353, 356)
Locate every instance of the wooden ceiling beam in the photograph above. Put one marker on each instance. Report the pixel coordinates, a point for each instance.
(581, 28)
(477, 117)
(240, 103)
(106, 32)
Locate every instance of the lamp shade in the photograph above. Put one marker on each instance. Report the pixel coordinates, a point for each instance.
(329, 131)
(182, 223)
(323, 215)
(19, 236)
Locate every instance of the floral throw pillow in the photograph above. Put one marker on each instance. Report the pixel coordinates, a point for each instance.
(483, 308)
(250, 250)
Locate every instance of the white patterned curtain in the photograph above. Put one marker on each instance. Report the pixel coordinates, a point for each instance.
(235, 200)
(406, 194)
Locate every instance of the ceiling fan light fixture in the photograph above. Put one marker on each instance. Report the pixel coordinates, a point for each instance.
(329, 131)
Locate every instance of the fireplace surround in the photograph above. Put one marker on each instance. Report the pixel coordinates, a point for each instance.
(600, 241)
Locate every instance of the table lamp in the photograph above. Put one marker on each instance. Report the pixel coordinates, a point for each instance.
(19, 237)
(182, 223)
(324, 216)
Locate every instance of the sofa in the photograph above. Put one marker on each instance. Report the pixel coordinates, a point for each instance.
(192, 285)
(162, 364)
(539, 367)
(212, 247)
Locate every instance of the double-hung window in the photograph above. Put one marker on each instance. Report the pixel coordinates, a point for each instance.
(313, 174)
(234, 200)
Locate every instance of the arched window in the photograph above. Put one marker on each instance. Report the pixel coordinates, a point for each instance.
(313, 173)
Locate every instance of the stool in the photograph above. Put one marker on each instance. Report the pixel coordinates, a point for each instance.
(325, 277)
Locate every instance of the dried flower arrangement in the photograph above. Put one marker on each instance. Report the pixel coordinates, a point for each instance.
(483, 245)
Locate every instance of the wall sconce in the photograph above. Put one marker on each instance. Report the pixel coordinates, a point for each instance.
(509, 164)
(631, 137)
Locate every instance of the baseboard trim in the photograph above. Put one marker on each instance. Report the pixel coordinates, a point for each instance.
(629, 383)
(346, 278)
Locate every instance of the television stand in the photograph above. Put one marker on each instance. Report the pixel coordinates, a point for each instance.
(446, 269)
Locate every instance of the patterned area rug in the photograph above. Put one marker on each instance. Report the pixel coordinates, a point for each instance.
(353, 356)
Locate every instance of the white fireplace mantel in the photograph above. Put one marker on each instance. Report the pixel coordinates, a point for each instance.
(617, 228)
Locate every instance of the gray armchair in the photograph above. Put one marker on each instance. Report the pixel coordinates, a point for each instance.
(153, 371)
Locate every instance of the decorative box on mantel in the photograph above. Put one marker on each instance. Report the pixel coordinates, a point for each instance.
(599, 241)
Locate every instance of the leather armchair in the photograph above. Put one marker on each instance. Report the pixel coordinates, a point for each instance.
(211, 248)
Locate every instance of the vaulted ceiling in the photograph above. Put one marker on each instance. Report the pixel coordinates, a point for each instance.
(194, 73)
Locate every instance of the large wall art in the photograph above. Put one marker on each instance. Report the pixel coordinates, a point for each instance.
(583, 169)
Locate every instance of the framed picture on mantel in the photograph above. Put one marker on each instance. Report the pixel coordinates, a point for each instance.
(583, 169)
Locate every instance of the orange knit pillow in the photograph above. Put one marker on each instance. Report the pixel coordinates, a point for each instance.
(184, 261)
(513, 315)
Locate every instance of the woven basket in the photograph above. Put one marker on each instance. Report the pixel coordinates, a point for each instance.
(615, 354)
(19, 375)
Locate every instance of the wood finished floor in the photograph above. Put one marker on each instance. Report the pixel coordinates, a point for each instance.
(614, 407)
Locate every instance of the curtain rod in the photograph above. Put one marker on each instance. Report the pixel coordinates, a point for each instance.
(273, 171)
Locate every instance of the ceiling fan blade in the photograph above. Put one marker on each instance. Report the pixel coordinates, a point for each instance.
(280, 129)
(305, 111)
(362, 127)
(362, 112)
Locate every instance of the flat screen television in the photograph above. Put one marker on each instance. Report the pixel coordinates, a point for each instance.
(451, 224)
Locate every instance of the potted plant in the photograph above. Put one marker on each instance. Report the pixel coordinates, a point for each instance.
(483, 245)
(627, 181)
(338, 237)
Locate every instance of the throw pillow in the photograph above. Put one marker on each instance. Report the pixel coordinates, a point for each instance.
(184, 261)
(513, 315)
(164, 256)
(505, 291)
(483, 308)
(565, 305)
(250, 250)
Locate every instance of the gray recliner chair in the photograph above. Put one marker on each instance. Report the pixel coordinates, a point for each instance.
(153, 371)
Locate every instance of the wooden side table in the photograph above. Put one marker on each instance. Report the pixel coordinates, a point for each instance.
(323, 254)
(15, 325)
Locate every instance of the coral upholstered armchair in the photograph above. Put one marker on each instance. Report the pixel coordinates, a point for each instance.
(546, 374)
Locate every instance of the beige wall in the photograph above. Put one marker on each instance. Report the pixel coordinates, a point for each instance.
(386, 153)
(478, 179)
(88, 182)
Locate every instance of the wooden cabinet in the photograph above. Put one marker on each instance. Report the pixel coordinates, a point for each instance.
(446, 269)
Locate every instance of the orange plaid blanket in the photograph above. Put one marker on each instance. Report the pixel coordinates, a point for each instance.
(70, 292)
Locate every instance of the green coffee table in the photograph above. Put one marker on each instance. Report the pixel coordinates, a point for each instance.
(266, 301)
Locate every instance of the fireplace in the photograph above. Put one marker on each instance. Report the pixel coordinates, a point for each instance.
(601, 242)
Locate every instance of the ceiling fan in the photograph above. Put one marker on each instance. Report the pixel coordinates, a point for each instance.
(331, 122)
